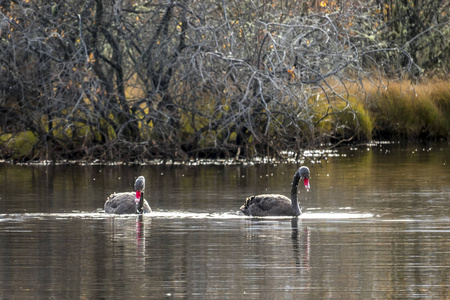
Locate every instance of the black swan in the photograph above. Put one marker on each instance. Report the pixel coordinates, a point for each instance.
(277, 205)
(129, 203)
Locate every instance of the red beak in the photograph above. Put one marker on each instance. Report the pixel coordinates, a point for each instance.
(138, 197)
(306, 181)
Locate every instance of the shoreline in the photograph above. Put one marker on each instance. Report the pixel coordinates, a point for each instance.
(313, 156)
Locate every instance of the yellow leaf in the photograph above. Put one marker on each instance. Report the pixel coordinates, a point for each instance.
(91, 57)
(291, 71)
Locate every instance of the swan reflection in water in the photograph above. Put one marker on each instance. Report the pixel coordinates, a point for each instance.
(300, 245)
(269, 237)
(140, 237)
(129, 232)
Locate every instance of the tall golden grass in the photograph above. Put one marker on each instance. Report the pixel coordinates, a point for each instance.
(402, 110)
(389, 111)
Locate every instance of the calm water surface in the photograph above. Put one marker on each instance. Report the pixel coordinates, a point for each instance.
(375, 224)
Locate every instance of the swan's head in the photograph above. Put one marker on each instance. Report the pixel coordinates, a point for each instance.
(304, 174)
(139, 187)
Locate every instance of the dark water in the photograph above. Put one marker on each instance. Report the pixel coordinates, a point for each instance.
(376, 224)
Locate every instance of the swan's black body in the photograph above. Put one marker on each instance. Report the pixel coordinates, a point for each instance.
(125, 203)
(277, 205)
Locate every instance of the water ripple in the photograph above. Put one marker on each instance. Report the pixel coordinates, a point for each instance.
(178, 215)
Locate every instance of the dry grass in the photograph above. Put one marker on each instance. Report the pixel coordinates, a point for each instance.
(391, 110)
(405, 111)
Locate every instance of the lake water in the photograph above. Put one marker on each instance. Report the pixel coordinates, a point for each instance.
(375, 225)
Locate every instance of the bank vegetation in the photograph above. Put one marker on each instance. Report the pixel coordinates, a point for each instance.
(131, 80)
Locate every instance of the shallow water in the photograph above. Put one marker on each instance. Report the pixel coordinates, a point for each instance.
(375, 224)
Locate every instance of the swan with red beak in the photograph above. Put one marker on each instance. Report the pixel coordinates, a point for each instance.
(129, 203)
(277, 205)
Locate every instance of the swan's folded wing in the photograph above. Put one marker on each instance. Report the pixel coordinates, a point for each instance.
(265, 205)
(122, 203)
(270, 202)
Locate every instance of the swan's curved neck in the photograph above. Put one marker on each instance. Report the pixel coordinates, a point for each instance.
(294, 200)
(140, 206)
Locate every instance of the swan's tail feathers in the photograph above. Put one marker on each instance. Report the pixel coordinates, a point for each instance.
(248, 202)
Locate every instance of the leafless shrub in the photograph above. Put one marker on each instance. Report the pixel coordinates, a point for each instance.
(127, 80)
